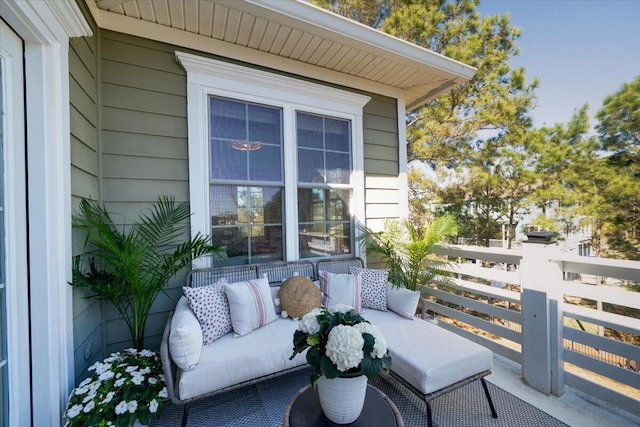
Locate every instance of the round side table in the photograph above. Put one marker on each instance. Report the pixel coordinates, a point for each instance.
(304, 410)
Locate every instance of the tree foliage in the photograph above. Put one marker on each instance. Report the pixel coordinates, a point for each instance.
(488, 181)
(619, 118)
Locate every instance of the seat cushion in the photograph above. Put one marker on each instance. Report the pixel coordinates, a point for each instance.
(427, 356)
(232, 360)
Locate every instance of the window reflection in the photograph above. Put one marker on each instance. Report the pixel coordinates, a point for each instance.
(246, 152)
(324, 222)
(247, 222)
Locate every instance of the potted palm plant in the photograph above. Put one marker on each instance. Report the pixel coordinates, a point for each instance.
(408, 252)
(130, 266)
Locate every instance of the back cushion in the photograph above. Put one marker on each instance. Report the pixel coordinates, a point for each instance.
(250, 304)
(210, 306)
(340, 289)
(374, 287)
(185, 338)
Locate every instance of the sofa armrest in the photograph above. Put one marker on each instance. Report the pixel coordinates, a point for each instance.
(169, 368)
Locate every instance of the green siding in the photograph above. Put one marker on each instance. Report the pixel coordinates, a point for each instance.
(84, 125)
(143, 151)
(381, 154)
(144, 148)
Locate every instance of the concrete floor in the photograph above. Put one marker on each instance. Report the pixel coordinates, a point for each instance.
(570, 408)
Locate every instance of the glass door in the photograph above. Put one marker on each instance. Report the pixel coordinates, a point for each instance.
(14, 330)
(3, 304)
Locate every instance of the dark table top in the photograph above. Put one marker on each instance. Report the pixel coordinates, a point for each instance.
(304, 410)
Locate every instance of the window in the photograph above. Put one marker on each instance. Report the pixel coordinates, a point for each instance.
(275, 163)
(246, 180)
(324, 185)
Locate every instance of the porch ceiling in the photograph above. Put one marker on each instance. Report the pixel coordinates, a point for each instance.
(297, 31)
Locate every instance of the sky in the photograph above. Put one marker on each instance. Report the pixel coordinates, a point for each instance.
(580, 50)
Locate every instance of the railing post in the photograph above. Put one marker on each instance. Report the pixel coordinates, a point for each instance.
(542, 337)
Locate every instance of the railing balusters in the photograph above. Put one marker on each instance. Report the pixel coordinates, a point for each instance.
(541, 300)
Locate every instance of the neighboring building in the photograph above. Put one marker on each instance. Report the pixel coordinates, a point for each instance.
(281, 123)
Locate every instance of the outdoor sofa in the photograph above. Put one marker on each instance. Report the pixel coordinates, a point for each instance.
(427, 359)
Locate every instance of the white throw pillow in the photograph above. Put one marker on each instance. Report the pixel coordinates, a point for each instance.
(251, 305)
(210, 306)
(402, 301)
(373, 293)
(340, 289)
(185, 338)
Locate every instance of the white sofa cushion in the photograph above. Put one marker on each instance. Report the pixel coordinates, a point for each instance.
(250, 304)
(233, 360)
(185, 339)
(428, 356)
(402, 301)
(340, 289)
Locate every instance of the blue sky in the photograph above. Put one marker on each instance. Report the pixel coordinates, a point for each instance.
(580, 50)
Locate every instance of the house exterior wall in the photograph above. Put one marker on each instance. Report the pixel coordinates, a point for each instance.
(84, 125)
(144, 149)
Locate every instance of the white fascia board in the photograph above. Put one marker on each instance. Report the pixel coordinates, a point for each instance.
(180, 38)
(300, 14)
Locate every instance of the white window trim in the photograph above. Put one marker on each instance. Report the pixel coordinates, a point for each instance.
(207, 77)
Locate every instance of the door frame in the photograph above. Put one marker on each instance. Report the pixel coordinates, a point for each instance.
(15, 225)
(45, 27)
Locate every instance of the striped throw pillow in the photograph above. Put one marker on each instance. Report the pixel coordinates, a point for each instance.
(250, 305)
(340, 289)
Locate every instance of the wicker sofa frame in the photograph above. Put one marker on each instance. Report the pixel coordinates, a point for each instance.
(276, 272)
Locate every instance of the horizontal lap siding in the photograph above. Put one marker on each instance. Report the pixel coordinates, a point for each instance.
(84, 124)
(144, 149)
(381, 165)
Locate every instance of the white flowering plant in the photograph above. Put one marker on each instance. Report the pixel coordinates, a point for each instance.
(340, 343)
(124, 387)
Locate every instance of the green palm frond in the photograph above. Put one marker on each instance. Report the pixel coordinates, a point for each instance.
(129, 269)
(408, 254)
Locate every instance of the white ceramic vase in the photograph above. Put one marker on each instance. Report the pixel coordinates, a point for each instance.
(342, 399)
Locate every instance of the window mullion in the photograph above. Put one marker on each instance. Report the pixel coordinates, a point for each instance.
(290, 183)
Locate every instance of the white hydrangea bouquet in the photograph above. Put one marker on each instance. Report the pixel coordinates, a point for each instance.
(124, 387)
(341, 343)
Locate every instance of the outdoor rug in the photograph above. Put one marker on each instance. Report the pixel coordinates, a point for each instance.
(262, 404)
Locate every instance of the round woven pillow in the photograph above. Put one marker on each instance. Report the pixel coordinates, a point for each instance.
(299, 295)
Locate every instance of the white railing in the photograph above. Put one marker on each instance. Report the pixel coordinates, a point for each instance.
(553, 327)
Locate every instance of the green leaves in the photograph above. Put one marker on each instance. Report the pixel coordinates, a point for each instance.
(299, 343)
(129, 268)
(408, 251)
(316, 345)
(619, 127)
(329, 370)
